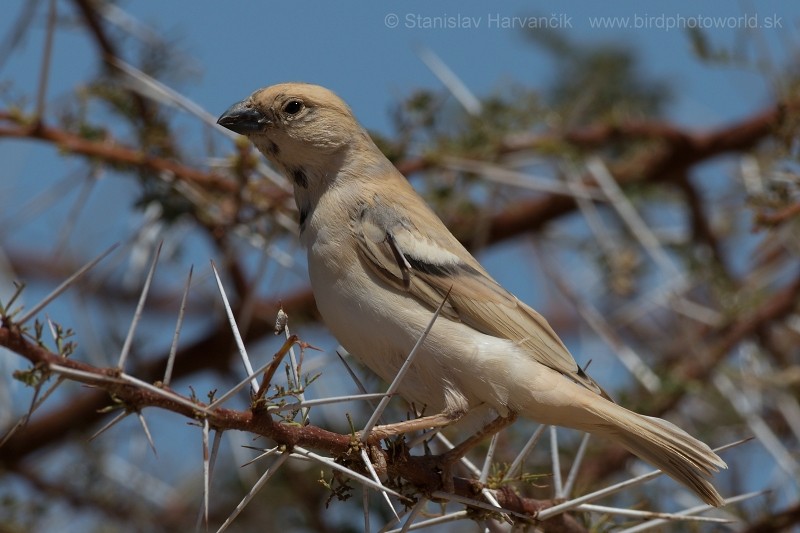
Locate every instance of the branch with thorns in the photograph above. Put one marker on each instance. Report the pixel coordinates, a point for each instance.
(420, 477)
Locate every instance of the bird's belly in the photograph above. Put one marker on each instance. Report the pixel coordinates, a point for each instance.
(372, 323)
(456, 368)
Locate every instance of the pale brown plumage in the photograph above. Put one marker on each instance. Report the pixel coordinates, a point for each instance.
(380, 261)
(386, 240)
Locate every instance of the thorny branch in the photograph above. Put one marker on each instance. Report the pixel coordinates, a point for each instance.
(84, 410)
(113, 152)
(422, 471)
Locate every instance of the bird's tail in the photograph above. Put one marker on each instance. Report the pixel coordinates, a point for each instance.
(662, 444)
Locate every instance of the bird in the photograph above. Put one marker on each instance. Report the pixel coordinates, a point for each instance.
(381, 263)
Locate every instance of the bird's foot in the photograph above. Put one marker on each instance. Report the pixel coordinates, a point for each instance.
(491, 428)
(409, 426)
(448, 460)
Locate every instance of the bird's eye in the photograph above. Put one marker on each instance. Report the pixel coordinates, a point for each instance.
(292, 107)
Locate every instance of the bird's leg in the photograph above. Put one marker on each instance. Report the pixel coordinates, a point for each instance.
(451, 457)
(408, 426)
(491, 428)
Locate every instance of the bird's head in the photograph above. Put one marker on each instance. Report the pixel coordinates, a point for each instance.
(297, 126)
(310, 134)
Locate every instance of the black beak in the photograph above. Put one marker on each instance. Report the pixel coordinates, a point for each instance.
(243, 118)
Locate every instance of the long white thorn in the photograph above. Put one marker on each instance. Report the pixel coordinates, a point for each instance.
(452, 517)
(613, 489)
(147, 434)
(253, 491)
(631, 217)
(67, 283)
(487, 463)
(365, 508)
(294, 406)
(474, 503)
(483, 474)
(523, 454)
(415, 511)
(114, 421)
(647, 238)
(449, 79)
(355, 475)
(401, 373)
(692, 510)
(36, 401)
(137, 315)
(294, 367)
(618, 511)
(173, 349)
(374, 475)
(235, 329)
(558, 487)
(757, 425)
(155, 90)
(501, 174)
(163, 393)
(206, 471)
(576, 465)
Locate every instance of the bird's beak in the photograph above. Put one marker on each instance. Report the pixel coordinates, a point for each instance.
(243, 118)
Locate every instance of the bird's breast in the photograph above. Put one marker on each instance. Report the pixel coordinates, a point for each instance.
(456, 368)
(354, 306)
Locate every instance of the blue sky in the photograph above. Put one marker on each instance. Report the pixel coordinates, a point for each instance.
(355, 49)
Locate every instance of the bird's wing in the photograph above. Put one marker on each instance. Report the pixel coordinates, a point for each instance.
(410, 260)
